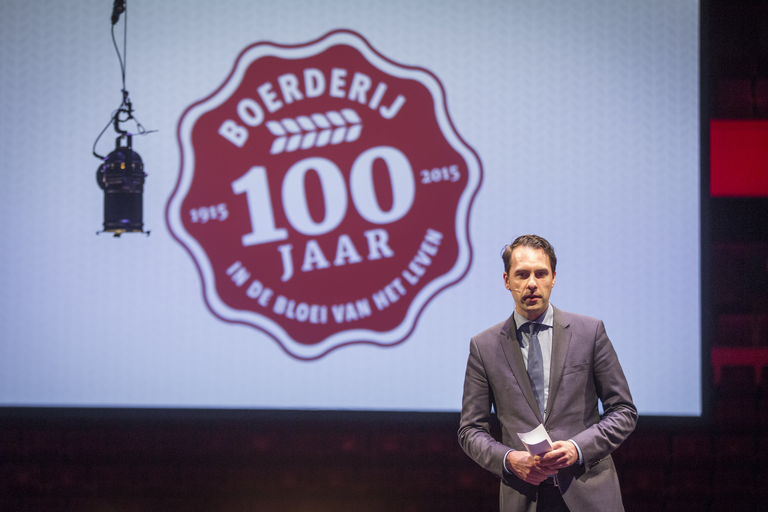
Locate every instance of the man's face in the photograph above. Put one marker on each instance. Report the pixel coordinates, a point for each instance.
(530, 280)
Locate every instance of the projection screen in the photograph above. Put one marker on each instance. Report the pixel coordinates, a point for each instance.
(328, 190)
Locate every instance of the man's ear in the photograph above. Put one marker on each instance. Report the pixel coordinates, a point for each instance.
(506, 282)
(554, 275)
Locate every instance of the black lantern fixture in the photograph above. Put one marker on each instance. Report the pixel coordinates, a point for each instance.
(121, 175)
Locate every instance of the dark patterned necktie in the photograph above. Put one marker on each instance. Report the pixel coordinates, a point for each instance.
(536, 366)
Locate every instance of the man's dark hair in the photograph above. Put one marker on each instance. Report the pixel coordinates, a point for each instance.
(532, 241)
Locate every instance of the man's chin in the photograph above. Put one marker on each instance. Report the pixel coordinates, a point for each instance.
(533, 311)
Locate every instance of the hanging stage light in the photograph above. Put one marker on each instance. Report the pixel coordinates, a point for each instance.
(121, 175)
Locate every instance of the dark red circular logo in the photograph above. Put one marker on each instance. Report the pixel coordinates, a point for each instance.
(324, 194)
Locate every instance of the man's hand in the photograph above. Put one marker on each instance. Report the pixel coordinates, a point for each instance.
(528, 468)
(563, 454)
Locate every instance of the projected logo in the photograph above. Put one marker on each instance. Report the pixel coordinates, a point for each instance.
(324, 194)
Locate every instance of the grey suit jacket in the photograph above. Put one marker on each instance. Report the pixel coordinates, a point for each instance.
(584, 368)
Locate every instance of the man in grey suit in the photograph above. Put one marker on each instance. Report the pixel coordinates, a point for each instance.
(546, 366)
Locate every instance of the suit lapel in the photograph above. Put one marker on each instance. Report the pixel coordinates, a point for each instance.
(514, 355)
(561, 339)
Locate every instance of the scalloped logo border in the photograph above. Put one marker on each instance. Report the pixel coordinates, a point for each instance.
(352, 336)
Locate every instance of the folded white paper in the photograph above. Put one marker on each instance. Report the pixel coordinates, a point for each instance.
(537, 441)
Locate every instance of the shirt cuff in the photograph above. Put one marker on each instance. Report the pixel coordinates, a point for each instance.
(504, 463)
(581, 457)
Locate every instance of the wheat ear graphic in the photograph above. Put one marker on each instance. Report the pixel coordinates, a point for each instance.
(314, 131)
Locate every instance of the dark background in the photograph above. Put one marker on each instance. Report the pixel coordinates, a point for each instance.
(142, 460)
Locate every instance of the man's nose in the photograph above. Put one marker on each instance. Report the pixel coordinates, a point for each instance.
(531, 283)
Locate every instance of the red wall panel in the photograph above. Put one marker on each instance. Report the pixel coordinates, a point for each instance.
(738, 158)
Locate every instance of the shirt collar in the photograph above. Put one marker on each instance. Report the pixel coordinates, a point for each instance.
(546, 318)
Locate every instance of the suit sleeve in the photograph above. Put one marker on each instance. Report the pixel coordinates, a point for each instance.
(620, 414)
(474, 428)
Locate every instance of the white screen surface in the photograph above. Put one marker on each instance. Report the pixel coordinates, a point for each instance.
(585, 117)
